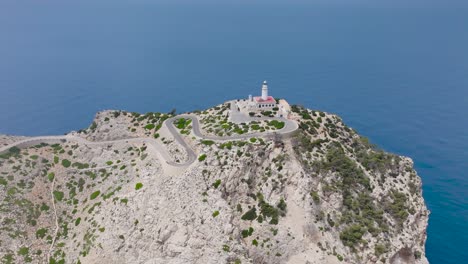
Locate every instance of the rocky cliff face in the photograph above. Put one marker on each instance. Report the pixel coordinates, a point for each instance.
(324, 195)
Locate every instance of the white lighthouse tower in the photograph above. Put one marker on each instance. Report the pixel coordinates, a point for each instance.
(264, 90)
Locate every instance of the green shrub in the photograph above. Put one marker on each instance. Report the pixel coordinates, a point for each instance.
(40, 233)
(58, 195)
(149, 126)
(207, 142)
(380, 249)
(216, 183)
(352, 235)
(398, 208)
(255, 242)
(77, 221)
(93, 126)
(94, 195)
(227, 145)
(14, 150)
(202, 157)
(253, 140)
(56, 159)
(182, 123)
(109, 162)
(260, 219)
(215, 213)
(51, 176)
(282, 205)
(44, 207)
(268, 210)
(315, 196)
(250, 214)
(226, 248)
(277, 124)
(23, 251)
(138, 186)
(66, 163)
(247, 232)
(156, 135)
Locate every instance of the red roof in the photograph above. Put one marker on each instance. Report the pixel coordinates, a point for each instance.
(269, 100)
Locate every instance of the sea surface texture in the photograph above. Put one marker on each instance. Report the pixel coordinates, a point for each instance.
(396, 71)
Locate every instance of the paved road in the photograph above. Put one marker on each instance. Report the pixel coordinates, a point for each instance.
(290, 127)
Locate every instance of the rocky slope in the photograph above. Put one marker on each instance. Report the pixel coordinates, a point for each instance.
(323, 195)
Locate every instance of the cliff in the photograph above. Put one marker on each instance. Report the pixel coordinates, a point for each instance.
(126, 190)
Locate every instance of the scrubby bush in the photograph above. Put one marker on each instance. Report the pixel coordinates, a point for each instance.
(380, 249)
(215, 213)
(51, 176)
(66, 163)
(182, 123)
(138, 186)
(250, 214)
(58, 195)
(352, 235)
(315, 196)
(398, 208)
(216, 183)
(150, 126)
(40, 233)
(277, 124)
(93, 126)
(207, 142)
(94, 195)
(247, 232)
(202, 157)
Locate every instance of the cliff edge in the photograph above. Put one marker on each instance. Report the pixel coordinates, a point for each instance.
(125, 190)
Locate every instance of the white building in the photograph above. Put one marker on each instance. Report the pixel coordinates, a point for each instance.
(262, 102)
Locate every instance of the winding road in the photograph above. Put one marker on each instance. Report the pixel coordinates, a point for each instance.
(290, 127)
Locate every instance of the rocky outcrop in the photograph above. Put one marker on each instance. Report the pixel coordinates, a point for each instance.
(324, 195)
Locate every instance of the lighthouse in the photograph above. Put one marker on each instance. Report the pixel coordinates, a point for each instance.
(264, 91)
(263, 102)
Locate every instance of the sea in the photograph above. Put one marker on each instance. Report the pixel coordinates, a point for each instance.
(396, 71)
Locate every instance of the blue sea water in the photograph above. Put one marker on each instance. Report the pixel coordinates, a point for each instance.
(396, 71)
